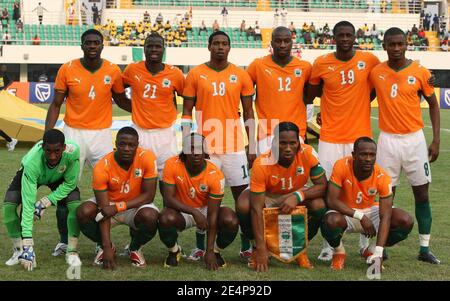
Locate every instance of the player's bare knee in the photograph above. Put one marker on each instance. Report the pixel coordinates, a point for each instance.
(315, 204)
(421, 193)
(243, 202)
(333, 220)
(147, 216)
(86, 212)
(167, 218)
(406, 221)
(228, 219)
(13, 197)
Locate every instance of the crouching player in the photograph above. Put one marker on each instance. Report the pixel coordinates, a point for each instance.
(124, 183)
(53, 162)
(193, 191)
(278, 180)
(354, 184)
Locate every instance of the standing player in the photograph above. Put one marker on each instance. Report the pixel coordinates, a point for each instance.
(345, 102)
(153, 85)
(216, 89)
(193, 191)
(87, 84)
(354, 184)
(124, 183)
(280, 85)
(399, 82)
(278, 180)
(53, 162)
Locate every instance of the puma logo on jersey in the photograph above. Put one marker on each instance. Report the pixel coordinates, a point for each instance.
(204, 77)
(77, 80)
(332, 68)
(180, 178)
(381, 76)
(349, 182)
(115, 180)
(268, 71)
(275, 177)
(138, 78)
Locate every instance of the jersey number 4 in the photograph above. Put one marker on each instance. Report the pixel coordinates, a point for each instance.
(91, 94)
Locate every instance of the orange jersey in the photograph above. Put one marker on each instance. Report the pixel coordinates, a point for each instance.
(194, 191)
(279, 92)
(89, 94)
(153, 95)
(345, 101)
(218, 96)
(398, 97)
(356, 194)
(124, 185)
(277, 180)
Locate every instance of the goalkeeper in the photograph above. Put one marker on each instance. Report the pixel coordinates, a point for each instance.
(53, 162)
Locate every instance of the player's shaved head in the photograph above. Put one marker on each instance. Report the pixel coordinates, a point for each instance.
(393, 31)
(343, 24)
(362, 140)
(127, 130)
(89, 32)
(280, 30)
(218, 33)
(54, 136)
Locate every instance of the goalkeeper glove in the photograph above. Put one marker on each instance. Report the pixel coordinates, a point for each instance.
(28, 258)
(40, 206)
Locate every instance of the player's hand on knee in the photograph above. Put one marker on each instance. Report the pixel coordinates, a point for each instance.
(28, 258)
(108, 211)
(40, 206)
(211, 260)
(200, 220)
(288, 205)
(368, 227)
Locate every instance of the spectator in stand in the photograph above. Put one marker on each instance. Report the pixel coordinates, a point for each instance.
(360, 33)
(5, 18)
(284, 17)
(421, 32)
(147, 17)
(250, 32)
(444, 44)
(383, 6)
(189, 25)
(16, 11)
(6, 38)
(95, 14)
(19, 26)
(224, 14)
(326, 29)
(414, 29)
(258, 36)
(159, 19)
(167, 26)
(427, 22)
(435, 23)
(305, 27)
(374, 32)
(36, 40)
(114, 41)
(292, 27)
(215, 26)
(312, 28)
(202, 27)
(276, 18)
(307, 37)
(242, 28)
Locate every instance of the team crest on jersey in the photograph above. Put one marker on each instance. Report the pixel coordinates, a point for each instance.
(361, 65)
(166, 83)
(138, 173)
(107, 80)
(299, 170)
(372, 191)
(233, 78)
(203, 188)
(298, 72)
(411, 80)
(62, 168)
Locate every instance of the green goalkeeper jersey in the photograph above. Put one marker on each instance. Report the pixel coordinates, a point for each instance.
(36, 172)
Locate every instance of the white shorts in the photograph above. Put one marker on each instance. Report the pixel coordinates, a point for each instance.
(309, 112)
(408, 152)
(126, 217)
(189, 219)
(329, 153)
(234, 167)
(162, 142)
(94, 144)
(354, 225)
(265, 144)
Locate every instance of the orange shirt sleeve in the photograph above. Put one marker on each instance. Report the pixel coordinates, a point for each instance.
(61, 81)
(150, 166)
(316, 73)
(100, 177)
(217, 186)
(190, 86)
(127, 75)
(117, 86)
(247, 85)
(385, 186)
(337, 176)
(425, 87)
(257, 178)
(179, 82)
(169, 172)
(307, 72)
(251, 70)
